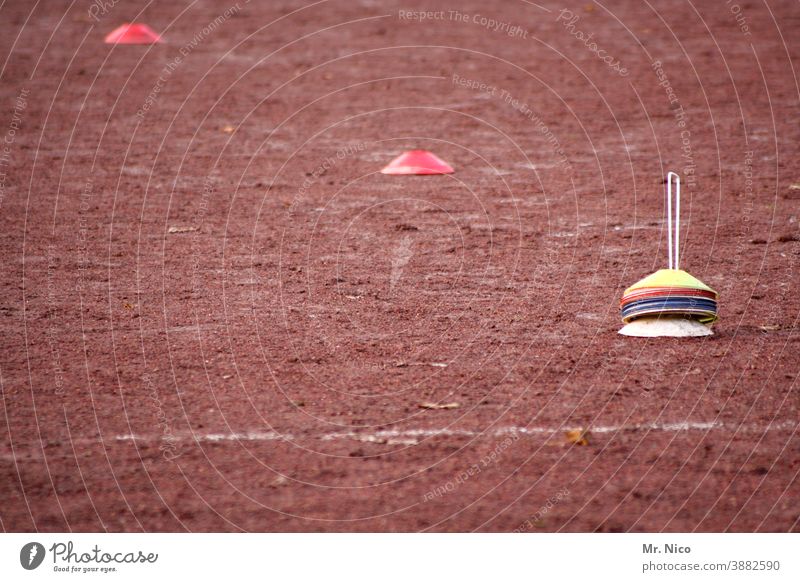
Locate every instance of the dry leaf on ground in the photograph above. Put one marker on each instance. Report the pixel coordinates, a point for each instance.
(579, 436)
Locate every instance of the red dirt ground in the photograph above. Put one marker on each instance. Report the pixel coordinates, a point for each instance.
(263, 367)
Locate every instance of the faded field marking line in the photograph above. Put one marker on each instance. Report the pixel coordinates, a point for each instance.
(410, 436)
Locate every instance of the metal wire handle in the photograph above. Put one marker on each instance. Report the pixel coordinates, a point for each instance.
(674, 257)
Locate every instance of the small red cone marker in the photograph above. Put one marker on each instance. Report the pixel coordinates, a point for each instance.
(133, 34)
(419, 162)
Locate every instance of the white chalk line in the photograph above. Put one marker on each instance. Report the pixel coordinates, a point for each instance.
(405, 437)
(414, 435)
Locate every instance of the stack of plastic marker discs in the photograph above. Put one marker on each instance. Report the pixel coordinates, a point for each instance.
(670, 302)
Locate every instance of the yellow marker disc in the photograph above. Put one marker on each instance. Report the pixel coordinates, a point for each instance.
(670, 278)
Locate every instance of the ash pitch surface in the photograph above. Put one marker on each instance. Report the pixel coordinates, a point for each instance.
(218, 315)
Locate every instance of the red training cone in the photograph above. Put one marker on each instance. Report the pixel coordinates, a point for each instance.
(133, 34)
(419, 162)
